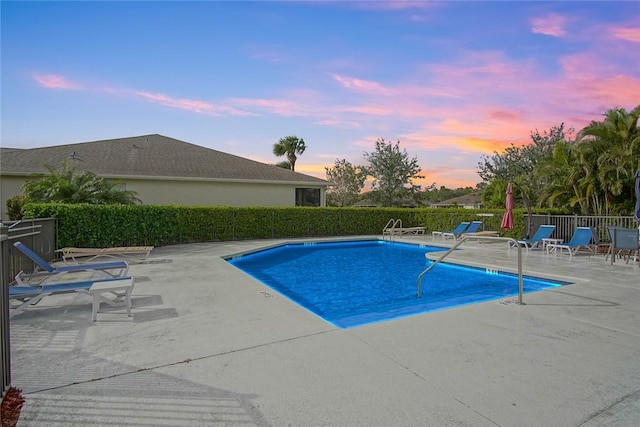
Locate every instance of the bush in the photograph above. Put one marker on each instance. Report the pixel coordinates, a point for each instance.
(15, 207)
(85, 225)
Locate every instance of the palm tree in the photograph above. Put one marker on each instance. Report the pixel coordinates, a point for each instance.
(560, 174)
(494, 194)
(289, 146)
(613, 148)
(64, 185)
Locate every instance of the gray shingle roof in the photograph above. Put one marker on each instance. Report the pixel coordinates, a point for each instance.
(147, 156)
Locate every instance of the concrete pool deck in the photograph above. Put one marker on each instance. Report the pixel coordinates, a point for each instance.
(209, 345)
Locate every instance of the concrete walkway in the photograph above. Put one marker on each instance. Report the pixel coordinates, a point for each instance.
(207, 345)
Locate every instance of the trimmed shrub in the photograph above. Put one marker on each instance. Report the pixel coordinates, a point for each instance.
(85, 225)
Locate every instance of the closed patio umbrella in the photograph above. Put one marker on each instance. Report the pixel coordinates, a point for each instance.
(636, 212)
(507, 218)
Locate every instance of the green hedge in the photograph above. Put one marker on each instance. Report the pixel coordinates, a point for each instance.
(83, 225)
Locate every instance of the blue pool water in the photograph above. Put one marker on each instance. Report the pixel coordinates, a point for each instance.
(355, 283)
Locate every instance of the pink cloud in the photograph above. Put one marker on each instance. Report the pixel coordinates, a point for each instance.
(395, 5)
(470, 142)
(371, 110)
(504, 116)
(472, 70)
(193, 105)
(339, 123)
(631, 34)
(609, 92)
(549, 25)
(589, 79)
(52, 81)
(280, 107)
(362, 85)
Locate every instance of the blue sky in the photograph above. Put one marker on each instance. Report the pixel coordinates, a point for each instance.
(450, 80)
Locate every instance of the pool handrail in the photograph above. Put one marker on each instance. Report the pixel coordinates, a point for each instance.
(390, 228)
(464, 239)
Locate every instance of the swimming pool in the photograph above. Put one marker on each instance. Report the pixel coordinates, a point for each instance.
(359, 282)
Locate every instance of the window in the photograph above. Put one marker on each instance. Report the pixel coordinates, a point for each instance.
(307, 197)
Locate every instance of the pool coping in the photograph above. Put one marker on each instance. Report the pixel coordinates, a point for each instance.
(370, 317)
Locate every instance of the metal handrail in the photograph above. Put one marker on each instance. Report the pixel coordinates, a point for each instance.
(464, 239)
(386, 228)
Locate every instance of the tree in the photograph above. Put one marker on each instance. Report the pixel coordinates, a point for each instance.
(611, 155)
(289, 146)
(66, 186)
(393, 172)
(519, 164)
(284, 164)
(434, 195)
(348, 181)
(494, 194)
(562, 174)
(594, 174)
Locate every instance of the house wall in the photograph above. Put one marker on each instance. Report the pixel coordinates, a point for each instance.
(190, 193)
(9, 186)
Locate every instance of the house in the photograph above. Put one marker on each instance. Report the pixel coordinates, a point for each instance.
(467, 201)
(163, 170)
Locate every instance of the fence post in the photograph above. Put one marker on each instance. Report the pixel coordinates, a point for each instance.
(5, 345)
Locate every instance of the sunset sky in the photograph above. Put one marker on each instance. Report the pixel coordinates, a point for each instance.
(450, 80)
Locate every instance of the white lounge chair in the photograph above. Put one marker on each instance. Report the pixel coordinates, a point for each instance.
(45, 273)
(128, 253)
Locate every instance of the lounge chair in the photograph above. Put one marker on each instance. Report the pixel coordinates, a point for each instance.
(543, 232)
(472, 228)
(22, 297)
(394, 228)
(129, 253)
(581, 238)
(456, 231)
(404, 230)
(47, 272)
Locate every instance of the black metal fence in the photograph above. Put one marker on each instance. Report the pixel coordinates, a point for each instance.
(5, 345)
(39, 235)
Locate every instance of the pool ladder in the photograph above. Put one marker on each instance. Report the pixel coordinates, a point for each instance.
(389, 229)
(464, 239)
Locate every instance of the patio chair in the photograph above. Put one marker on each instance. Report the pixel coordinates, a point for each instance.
(456, 231)
(625, 243)
(581, 238)
(543, 232)
(21, 297)
(45, 272)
